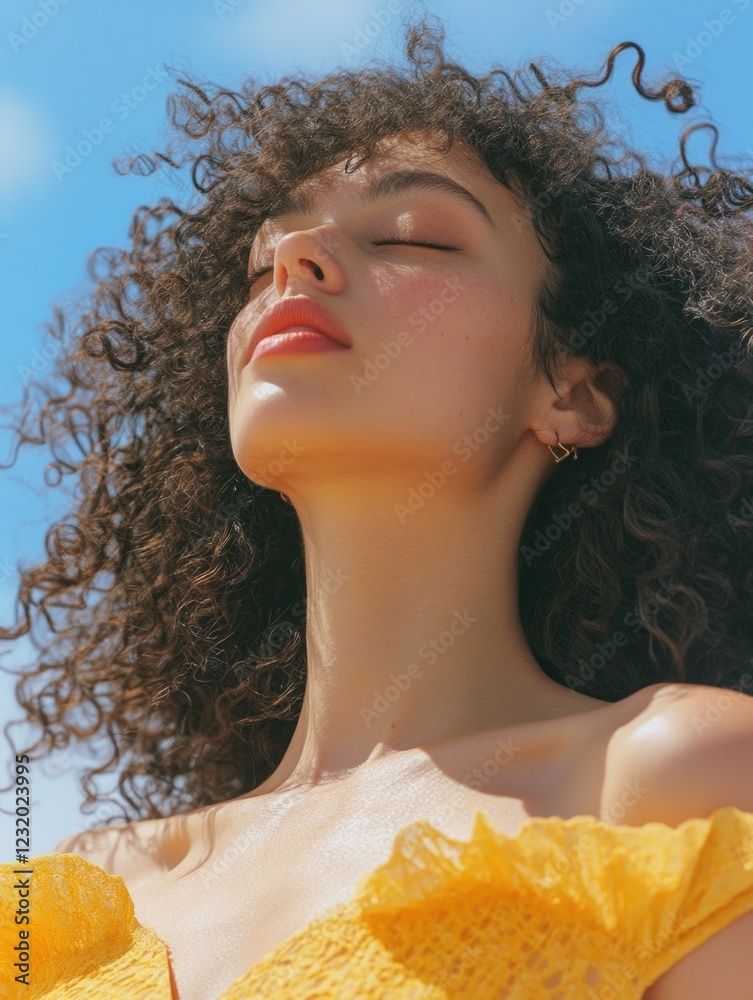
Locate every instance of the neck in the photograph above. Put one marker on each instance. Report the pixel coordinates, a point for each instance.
(413, 634)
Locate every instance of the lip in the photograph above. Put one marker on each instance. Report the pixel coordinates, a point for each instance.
(296, 311)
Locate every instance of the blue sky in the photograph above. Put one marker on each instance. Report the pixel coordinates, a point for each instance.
(80, 72)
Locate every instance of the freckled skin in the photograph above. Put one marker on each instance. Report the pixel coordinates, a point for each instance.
(458, 412)
(417, 663)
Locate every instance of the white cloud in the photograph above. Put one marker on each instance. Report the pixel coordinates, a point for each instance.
(26, 150)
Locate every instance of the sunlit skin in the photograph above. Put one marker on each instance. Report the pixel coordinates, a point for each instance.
(381, 584)
(249, 873)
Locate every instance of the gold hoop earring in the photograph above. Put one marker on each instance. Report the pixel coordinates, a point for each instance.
(566, 452)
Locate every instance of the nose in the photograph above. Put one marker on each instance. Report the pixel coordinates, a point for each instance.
(308, 255)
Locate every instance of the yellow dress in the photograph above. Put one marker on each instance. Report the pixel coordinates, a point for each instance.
(565, 909)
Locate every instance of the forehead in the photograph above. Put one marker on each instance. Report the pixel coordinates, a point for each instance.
(409, 152)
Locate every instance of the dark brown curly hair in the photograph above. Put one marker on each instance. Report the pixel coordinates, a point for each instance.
(181, 645)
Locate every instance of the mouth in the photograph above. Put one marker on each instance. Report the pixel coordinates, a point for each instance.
(297, 314)
(296, 340)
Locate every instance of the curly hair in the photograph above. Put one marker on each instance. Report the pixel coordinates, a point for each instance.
(636, 561)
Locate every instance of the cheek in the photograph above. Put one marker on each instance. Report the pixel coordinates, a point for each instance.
(502, 311)
(465, 327)
(235, 346)
(443, 376)
(231, 374)
(429, 312)
(474, 364)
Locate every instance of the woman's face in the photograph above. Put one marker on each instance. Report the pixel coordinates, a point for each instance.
(438, 376)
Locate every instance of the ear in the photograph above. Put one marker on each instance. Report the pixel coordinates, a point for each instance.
(583, 410)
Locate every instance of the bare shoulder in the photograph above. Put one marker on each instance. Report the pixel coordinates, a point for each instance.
(131, 850)
(687, 752)
(690, 755)
(99, 845)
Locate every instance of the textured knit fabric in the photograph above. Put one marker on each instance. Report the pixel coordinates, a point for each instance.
(565, 909)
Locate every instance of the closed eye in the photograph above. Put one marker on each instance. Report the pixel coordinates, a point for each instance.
(412, 243)
(382, 241)
(253, 276)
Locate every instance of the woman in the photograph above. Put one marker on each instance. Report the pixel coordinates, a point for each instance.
(486, 434)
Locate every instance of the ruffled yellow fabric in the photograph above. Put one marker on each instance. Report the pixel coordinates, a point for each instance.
(84, 939)
(565, 909)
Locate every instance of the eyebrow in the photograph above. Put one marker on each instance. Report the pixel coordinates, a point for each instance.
(388, 184)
